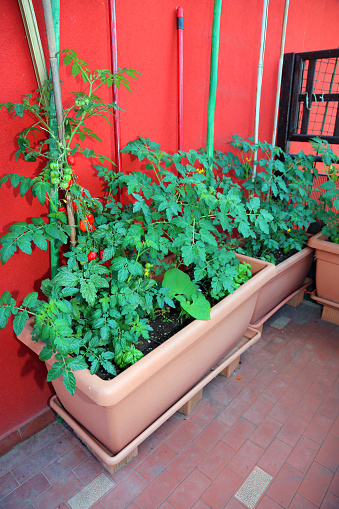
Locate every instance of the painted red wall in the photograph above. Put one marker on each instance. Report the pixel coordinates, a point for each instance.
(146, 42)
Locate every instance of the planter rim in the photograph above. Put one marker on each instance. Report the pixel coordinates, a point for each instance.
(102, 391)
(294, 258)
(320, 241)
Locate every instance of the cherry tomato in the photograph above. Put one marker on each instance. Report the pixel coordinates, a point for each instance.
(90, 218)
(62, 209)
(64, 185)
(53, 165)
(101, 254)
(92, 255)
(74, 205)
(69, 184)
(71, 160)
(84, 226)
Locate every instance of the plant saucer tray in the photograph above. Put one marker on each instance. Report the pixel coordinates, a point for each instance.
(250, 337)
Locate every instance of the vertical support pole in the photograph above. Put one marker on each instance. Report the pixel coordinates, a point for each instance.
(259, 81)
(180, 32)
(117, 133)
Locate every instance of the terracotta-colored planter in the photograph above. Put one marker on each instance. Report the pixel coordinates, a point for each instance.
(289, 279)
(327, 276)
(117, 411)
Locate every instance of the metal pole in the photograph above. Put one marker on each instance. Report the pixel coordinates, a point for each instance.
(180, 33)
(213, 78)
(117, 133)
(259, 80)
(281, 59)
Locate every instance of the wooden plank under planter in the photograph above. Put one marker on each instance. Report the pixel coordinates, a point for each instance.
(327, 276)
(288, 281)
(118, 410)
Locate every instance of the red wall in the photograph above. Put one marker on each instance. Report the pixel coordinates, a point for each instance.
(146, 42)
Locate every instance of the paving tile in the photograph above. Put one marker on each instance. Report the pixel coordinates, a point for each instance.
(320, 387)
(334, 486)
(303, 454)
(231, 504)
(267, 374)
(274, 456)
(188, 492)
(328, 455)
(275, 345)
(315, 484)
(285, 485)
(199, 505)
(126, 491)
(207, 413)
(318, 427)
(266, 432)
(258, 410)
(330, 406)
(238, 434)
(282, 409)
(251, 392)
(233, 411)
(216, 460)
(275, 390)
(211, 434)
(334, 431)
(91, 493)
(301, 357)
(130, 467)
(165, 505)
(55, 495)
(300, 502)
(311, 370)
(156, 462)
(64, 442)
(261, 359)
(88, 469)
(292, 430)
(8, 483)
(25, 493)
(298, 388)
(225, 395)
(183, 436)
(157, 491)
(323, 354)
(267, 503)
(34, 463)
(221, 489)
(159, 436)
(253, 488)
(330, 501)
(186, 461)
(307, 407)
(245, 459)
(289, 373)
(64, 464)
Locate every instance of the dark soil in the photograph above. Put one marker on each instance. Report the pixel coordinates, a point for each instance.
(280, 256)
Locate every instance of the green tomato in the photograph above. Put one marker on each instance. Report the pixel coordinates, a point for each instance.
(64, 185)
(55, 181)
(67, 178)
(68, 170)
(54, 165)
(148, 265)
(54, 174)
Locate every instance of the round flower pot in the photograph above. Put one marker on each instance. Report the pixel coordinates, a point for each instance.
(288, 281)
(118, 410)
(327, 276)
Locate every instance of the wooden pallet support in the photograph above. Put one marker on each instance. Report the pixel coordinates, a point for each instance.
(297, 299)
(230, 368)
(330, 315)
(188, 407)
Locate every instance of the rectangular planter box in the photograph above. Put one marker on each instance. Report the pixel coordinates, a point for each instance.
(117, 411)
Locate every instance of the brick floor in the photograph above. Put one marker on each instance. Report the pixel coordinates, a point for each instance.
(281, 416)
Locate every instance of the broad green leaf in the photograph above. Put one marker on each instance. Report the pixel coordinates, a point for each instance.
(69, 382)
(46, 353)
(55, 371)
(77, 363)
(19, 322)
(30, 300)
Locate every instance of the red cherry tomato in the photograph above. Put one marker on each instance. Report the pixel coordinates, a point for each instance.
(82, 226)
(71, 160)
(85, 225)
(62, 209)
(101, 254)
(90, 218)
(92, 255)
(74, 205)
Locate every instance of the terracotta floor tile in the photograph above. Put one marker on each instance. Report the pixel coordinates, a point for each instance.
(282, 409)
(188, 492)
(300, 357)
(265, 433)
(274, 457)
(300, 502)
(211, 434)
(313, 343)
(126, 491)
(251, 392)
(257, 412)
(330, 406)
(64, 442)
(318, 427)
(164, 505)
(335, 428)
(303, 454)
(64, 464)
(34, 463)
(320, 387)
(285, 485)
(289, 373)
(334, 486)
(233, 411)
(225, 395)
(200, 505)
(315, 484)
(311, 370)
(25, 493)
(275, 390)
(221, 489)
(216, 460)
(328, 455)
(239, 433)
(159, 436)
(307, 407)
(330, 501)
(245, 459)
(156, 462)
(88, 469)
(323, 354)
(261, 359)
(267, 503)
(267, 374)
(292, 430)
(183, 436)
(232, 504)
(156, 492)
(58, 493)
(298, 388)
(186, 461)
(8, 483)
(207, 413)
